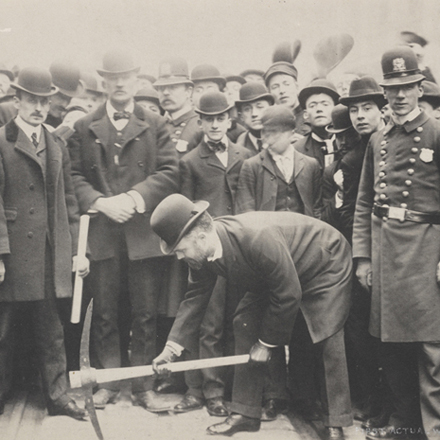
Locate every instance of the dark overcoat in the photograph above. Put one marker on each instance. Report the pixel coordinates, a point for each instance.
(35, 207)
(245, 141)
(147, 164)
(287, 262)
(257, 185)
(204, 177)
(401, 168)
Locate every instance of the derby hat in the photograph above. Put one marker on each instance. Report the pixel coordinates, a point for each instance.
(253, 91)
(431, 93)
(213, 103)
(364, 89)
(257, 72)
(150, 78)
(236, 78)
(278, 116)
(206, 72)
(173, 218)
(282, 67)
(400, 67)
(6, 72)
(117, 62)
(317, 86)
(340, 119)
(91, 83)
(67, 78)
(36, 81)
(148, 94)
(173, 71)
(409, 37)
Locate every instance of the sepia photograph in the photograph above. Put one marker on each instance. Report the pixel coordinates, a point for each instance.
(219, 218)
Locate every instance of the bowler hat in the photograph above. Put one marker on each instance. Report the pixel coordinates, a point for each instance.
(236, 78)
(411, 37)
(91, 84)
(150, 78)
(36, 81)
(7, 72)
(117, 62)
(431, 93)
(282, 67)
(340, 119)
(213, 103)
(257, 72)
(317, 86)
(67, 78)
(173, 71)
(206, 72)
(148, 94)
(278, 116)
(173, 217)
(364, 89)
(400, 67)
(253, 91)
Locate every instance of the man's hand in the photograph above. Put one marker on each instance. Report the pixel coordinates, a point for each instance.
(82, 265)
(364, 273)
(260, 353)
(338, 178)
(2, 271)
(164, 358)
(119, 208)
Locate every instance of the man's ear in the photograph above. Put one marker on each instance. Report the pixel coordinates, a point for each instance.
(199, 122)
(16, 102)
(305, 115)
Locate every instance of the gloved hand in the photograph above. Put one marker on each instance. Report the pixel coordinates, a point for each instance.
(364, 274)
(167, 356)
(260, 353)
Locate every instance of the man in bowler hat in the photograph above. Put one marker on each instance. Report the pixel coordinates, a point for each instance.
(277, 263)
(38, 236)
(396, 243)
(123, 165)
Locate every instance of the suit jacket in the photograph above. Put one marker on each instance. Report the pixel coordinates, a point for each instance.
(147, 164)
(7, 112)
(283, 260)
(35, 207)
(312, 148)
(245, 141)
(203, 177)
(257, 185)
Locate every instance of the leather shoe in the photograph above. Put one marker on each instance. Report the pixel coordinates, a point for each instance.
(216, 407)
(70, 409)
(141, 399)
(235, 423)
(188, 403)
(333, 433)
(104, 396)
(272, 408)
(377, 422)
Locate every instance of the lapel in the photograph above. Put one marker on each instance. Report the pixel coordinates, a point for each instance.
(136, 125)
(53, 159)
(209, 156)
(234, 156)
(250, 145)
(267, 162)
(25, 146)
(298, 163)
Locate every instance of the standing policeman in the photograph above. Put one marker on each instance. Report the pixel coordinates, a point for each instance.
(396, 242)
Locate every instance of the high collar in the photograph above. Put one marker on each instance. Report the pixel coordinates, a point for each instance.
(407, 118)
(111, 110)
(409, 126)
(28, 129)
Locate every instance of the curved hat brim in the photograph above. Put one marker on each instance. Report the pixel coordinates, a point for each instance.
(307, 92)
(402, 80)
(200, 206)
(73, 93)
(266, 96)
(53, 90)
(8, 73)
(376, 97)
(119, 72)
(172, 81)
(220, 80)
(332, 130)
(201, 112)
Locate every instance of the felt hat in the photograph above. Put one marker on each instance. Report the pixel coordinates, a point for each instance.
(364, 89)
(431, 93)
(36, 81)
(317, 86)
(67, 78)
(148, 94)
(213, 103)
(236, 78)
(91, 83)
(257, 72)
(173, 71)
(117, 62)
(278, 116)
(206, 72)
(340, 119)
(7, 72)
(253, 91)
(281, 67)
(409, 37)
(173, 217)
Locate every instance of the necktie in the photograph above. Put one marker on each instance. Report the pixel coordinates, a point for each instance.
(34, 140)
(216, 146)
(259, 144)
(121, 115)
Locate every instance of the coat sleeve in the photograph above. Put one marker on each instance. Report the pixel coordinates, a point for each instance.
(4, 236)
(317, 191)
(164, 180)
(245, 199)
(329, 190)
(186, 327)
(187, 183)
(364, 206)
(271, 258)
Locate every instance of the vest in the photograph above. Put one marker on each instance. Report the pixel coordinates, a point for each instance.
(288, 198)
(116, 141)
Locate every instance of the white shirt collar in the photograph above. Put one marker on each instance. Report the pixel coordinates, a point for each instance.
(28, 128)
(409, 117)
(111, 110)
(218, 253)
(224, 140)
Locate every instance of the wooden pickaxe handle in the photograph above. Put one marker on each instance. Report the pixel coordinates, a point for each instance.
(91, 376)
(78, 285)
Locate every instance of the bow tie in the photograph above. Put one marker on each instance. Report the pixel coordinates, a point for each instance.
(217, 146)
(121, 115)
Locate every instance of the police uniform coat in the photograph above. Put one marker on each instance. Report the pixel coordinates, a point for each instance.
(401, 169)
(203, 177)
(257, 185)
(36, 207)
(147, 164)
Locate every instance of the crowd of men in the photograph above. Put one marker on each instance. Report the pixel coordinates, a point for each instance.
(333, 290)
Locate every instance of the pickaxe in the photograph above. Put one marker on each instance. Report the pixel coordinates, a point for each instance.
(88, 377)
